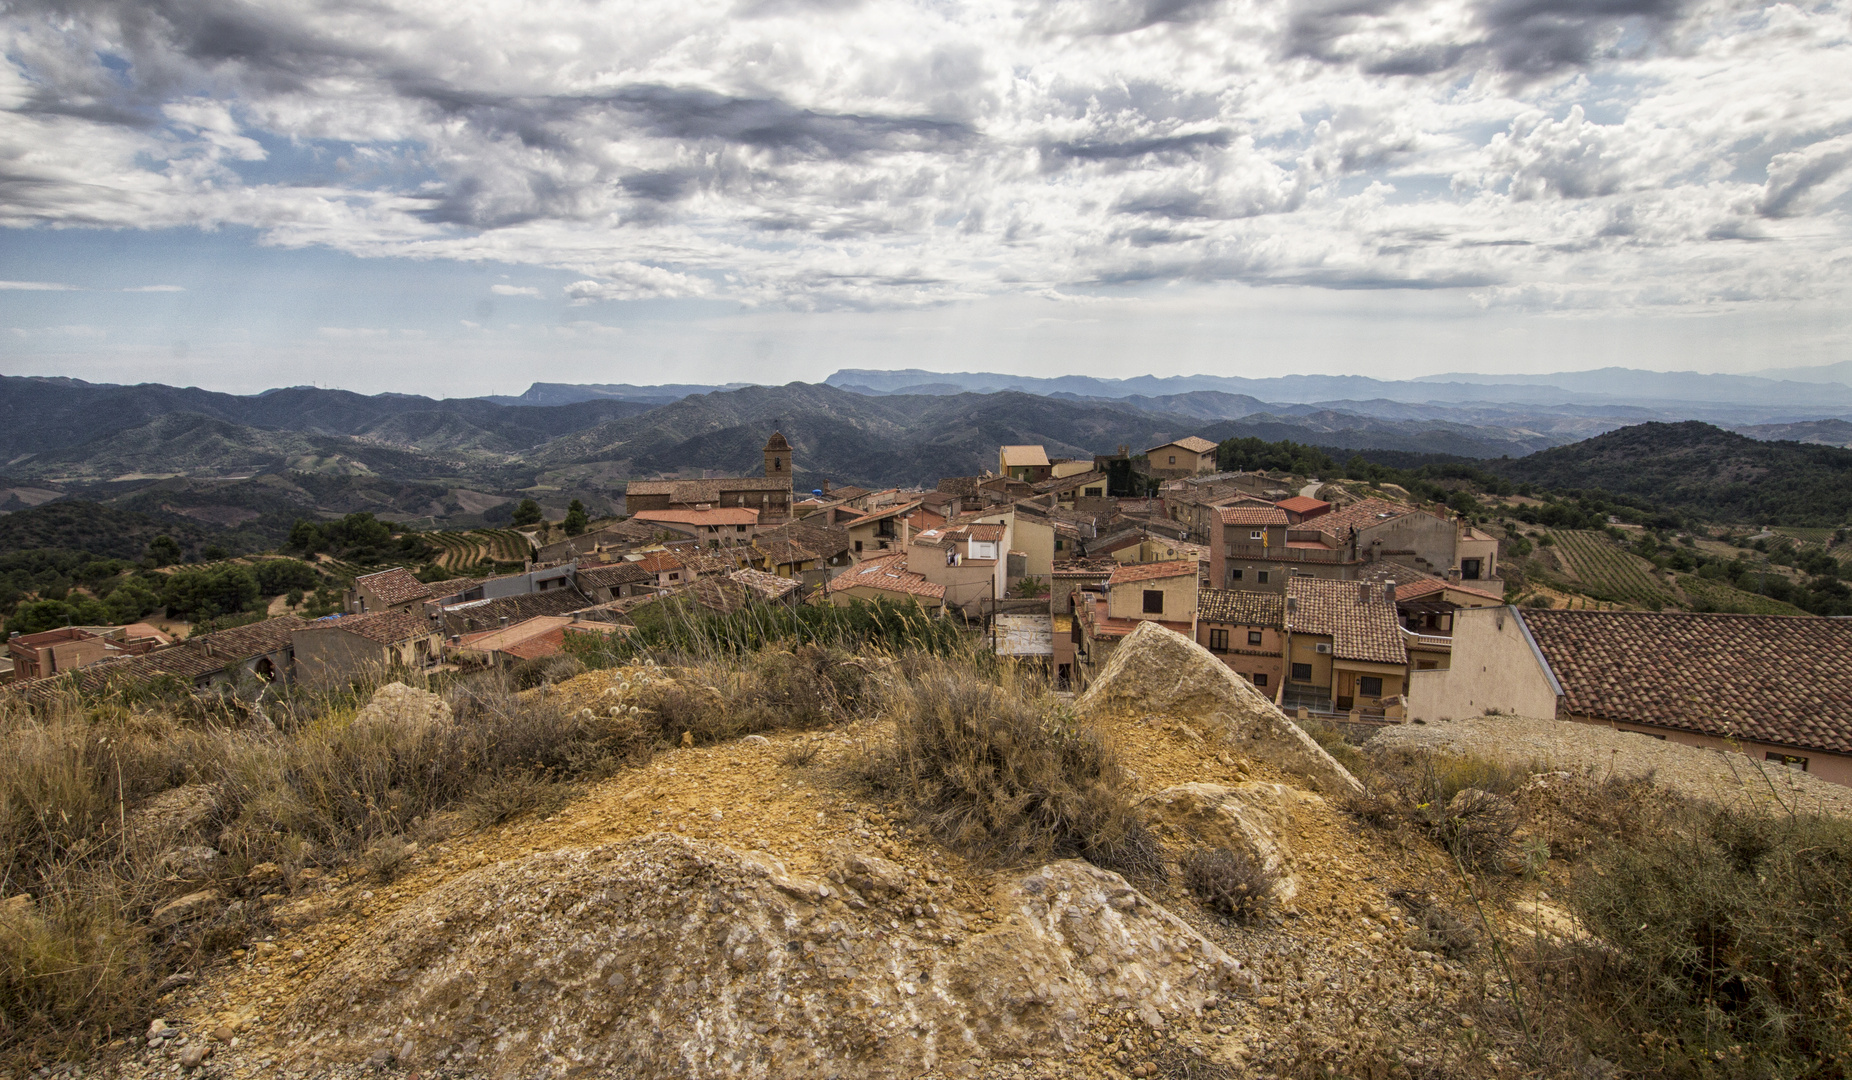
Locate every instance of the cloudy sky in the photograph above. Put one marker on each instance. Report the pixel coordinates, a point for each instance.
(461, 196)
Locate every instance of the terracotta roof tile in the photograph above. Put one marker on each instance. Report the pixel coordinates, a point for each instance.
(768, 586)
(1302, 504)
(1251, 514)
(1360, 514)
(394, 586)
(1780, 679)
(1195, 444)
(1361, 623)
(888, 573)
(1153, 571)
(384, 627)
(1241, 607)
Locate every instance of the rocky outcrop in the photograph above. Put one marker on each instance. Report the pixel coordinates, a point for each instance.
(398, 705)
(1254, 818)
(666, 956)
(1159, 671)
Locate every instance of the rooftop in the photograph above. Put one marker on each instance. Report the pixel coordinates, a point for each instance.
(888, 573)
(1126, 574)
(1015, 456)
(720, 515)
(1303, 504)
(1772, 678)
(1252, 514)
(1195, 444)
(1241, 607)
(1357, 618)
(394, 586)
(1367, 512)
(384, 627)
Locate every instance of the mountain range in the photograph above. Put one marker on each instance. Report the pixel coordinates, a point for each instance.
(253, 463)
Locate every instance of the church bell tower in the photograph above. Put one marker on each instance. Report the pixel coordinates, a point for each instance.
(777, 458)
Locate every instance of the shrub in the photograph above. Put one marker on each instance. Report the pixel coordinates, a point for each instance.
(999, 770)
(1731, 943)
(1228, 881)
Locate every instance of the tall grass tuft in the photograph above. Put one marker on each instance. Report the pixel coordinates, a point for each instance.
(1000, 769)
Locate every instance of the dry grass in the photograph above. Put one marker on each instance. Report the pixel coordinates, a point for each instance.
(1229, 882)
(998, 768)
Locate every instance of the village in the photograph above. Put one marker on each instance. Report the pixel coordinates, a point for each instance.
(1343, 608)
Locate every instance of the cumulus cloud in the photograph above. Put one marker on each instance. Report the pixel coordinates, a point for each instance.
(898, 153)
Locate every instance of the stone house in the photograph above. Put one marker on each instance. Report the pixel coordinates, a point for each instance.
(1345, 650)
(1247, 631)
(1028, 464)
(329, 652)
(1181, 457)
(770, 495)
(1156, 592)
(712, 527)
(886, 578)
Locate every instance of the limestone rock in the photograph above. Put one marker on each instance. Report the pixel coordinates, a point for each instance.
(1253, 817)
(398, 705)
(672, 957)
(190, 906)
(870, 875)
(1157, 670)
(191, 863)
(172, 812)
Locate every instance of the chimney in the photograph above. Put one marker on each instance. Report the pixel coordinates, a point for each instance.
(826, 487)
(1292, 604)
(1389, 593)
(1363, 592)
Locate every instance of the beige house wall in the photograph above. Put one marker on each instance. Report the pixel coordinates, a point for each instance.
(1304, 650)
(1064, 469)
(1495, 666)
(1036, 539)
(1249, 660)
(1128, 601)
(330, 655)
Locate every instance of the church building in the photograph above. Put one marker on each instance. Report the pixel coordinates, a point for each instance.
(770, 495)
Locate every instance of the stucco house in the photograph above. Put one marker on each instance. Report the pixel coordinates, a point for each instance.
(1164, 592)
(1345, 648)
(1777, 688)
(1181, 457)
(1247, 631)
(335, 650)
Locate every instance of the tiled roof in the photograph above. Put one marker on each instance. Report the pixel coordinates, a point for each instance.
(606, 577)
(706, 491)
(394, 586)
(503, 636)
(777, 442)
(1362, 624)
(959, 485)
(1360, 514)
(481, 614)
(720, 515)
(889, 574)
(539, 645)
(1252, 514)
(1302, 504)
(1241, 607)
(1422, 586)
(385, 627)
(801, 541)
(850, 492)
(722, 595)
(1025, 455)
(985, 534)
(1772, 678)
(440, 589)
(1068, 483)
(189, 659)
(1086, 568)
(1153, 571)
(242, 642)
(1195, 444)
(770, 586)
(897, 510)
(660, 562)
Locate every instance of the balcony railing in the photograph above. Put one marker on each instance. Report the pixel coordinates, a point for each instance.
(1274, 553)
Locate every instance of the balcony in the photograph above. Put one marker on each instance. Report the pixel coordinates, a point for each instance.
(1275, 553)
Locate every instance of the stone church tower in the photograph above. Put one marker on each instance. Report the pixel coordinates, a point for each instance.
(778, 458)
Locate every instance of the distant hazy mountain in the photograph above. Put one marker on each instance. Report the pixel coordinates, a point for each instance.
(543, 393)
(1714, 396)
(1836, 373)
(1824, 432)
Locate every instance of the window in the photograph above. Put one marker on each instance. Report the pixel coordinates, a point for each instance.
(1234, 574)
(1058, 545)
(858, 545)
(1302, 673)
(1218, 641)
(1469, 569)
(1792, 761)
(1260, 577)
(1370, 685)
(1253, 637)
(1254, 534)
(1154, 601)
(1260, 678)
(739, 528)
(1173, 459)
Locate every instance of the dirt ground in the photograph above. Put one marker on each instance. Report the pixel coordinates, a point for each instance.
(1337, 972)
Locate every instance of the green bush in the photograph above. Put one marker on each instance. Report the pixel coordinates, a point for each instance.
(278, 576)
(208, 592)
(1731, 939)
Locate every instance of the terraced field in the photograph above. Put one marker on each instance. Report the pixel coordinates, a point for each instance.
(1599, 568)
(462, 551)
(1708, 595)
